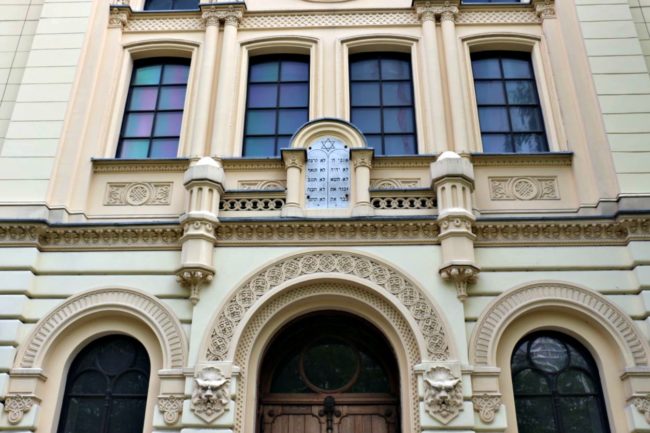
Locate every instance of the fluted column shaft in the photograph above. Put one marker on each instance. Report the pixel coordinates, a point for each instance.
(206, 78)
(459, 125)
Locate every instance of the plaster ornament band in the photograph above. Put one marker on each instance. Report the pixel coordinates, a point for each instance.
(487, 406)
(443, 394)
(211, 395)
(17, 405)
(461, 276)
(642, 404)
(194, 279)
(171, 407)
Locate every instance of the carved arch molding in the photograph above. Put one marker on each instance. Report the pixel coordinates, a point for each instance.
(509, 305)
(393, 282)
(140, 305)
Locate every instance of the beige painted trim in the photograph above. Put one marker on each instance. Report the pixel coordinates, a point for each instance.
(301, 297)
(344, 131)
(305, 45)
(547, 295)
(387, 43)
(522, 42)
(125, 301)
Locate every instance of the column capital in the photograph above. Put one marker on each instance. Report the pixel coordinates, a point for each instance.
(362, 157)
(449, 13)
(233, 16)
(211, 15)
(119, 16)
(294, 158)
(544, 8)
(428, 10)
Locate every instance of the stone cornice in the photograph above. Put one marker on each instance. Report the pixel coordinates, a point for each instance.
(110, 165)
(420, 231)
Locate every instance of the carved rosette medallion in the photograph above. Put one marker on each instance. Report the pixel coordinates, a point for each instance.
(487, 406)
(17, 405)
(171, 407)
(524, 188)
(443, 394)
(642, 404)
(211, 395)
(138, 194)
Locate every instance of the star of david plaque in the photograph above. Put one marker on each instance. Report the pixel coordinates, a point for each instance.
(328, 174)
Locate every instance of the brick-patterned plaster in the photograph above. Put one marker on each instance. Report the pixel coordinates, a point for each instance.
(44, 39)
(615, 42)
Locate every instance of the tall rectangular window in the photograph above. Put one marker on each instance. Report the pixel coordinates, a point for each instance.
(165, 5)
(509, 110)
(154, 109)
(277, 103)
(381, 101)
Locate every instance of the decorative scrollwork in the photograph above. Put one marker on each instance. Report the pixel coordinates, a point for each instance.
(171, 408)
(17, 405)
(487, 406)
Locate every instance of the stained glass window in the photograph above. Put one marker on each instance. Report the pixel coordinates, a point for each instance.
(556, 386)
(106, 389)
(277, 103)
(509, 111)
(154, 109)
(381, 101)
(161, 5)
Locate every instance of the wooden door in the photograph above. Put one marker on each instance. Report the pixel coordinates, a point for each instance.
(329, 373)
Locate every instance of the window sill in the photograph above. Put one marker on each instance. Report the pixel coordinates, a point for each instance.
(523, 159)
(114, 165)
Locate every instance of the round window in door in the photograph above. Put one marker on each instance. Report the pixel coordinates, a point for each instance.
(329, 372)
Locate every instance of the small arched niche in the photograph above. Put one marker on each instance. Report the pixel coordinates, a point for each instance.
(332, 368)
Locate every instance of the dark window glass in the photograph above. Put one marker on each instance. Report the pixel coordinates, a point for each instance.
(508, 104)
(556, 386)
(163, 5)
(277, 103)
(106, 389)
(381, 101)
(154, 109)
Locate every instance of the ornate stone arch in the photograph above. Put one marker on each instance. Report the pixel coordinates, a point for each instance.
(124, 300)
(550, 294)
(300, 298)
(391, 282)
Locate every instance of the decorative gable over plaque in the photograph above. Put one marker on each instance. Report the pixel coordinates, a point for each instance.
(327, 183)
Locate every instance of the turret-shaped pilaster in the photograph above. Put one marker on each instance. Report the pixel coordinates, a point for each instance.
(204, 183)
(453, 179)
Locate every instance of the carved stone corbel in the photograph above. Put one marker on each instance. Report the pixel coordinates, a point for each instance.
(171, 406)
(461, 276)
(487, 406)
(119, 14)
(211, 395)
(17, 405)
(194, 279)
(443, 394)
(642, 404)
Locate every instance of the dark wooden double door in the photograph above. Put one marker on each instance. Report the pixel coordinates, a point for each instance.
(329, 373)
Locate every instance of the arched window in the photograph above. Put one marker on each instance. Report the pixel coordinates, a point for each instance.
(329, 368)
(106, 389)
(163, 5)
(509, 110)
(556, 386)
(154, 109)
(277, 102)
(381, 101)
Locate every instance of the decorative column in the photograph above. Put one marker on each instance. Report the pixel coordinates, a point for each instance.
(204, 182)
(453, 180)
(427, 15)
(294, 161)
(362, 163)
(211, 16)
(448, 23)
(220, 144)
